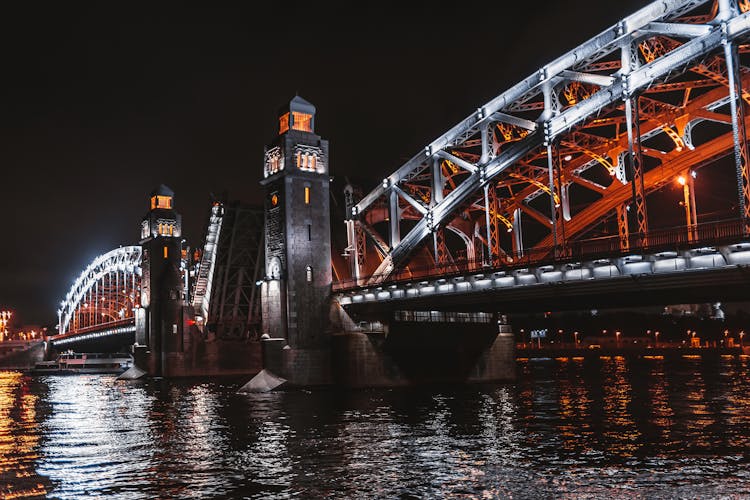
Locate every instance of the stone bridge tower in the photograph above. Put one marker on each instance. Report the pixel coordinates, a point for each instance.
(296, 287)
(159, 321)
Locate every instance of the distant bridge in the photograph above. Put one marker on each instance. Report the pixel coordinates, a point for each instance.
(100, 306)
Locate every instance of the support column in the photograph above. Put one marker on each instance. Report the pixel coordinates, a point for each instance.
(553, 206)
(551, 108)
(738, 130)
(490, 255)
(494, 232)
(517, 234)
(688, 191)
(622, 226)
(443, 257)
(394, 215)
(631, 62)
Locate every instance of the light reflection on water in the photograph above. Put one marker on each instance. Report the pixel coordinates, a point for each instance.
(569, 428)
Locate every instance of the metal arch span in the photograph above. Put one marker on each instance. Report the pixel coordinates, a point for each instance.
(594, 106)
(107, 290)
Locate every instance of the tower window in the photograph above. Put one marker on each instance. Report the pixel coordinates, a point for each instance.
(309, 273)
(301, 121)
(274, 161)
(309, 232)
(306, 161)
(166, 252)
(283, 123)
(159, 201)
(307, 195)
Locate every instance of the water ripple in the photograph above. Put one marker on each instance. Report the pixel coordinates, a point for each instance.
(568, 429)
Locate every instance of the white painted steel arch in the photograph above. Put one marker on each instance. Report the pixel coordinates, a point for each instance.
(587, 64)
(124, 259)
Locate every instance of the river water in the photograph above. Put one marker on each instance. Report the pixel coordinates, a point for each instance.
(568, 428)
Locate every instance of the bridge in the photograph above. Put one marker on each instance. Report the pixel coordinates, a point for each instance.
(552, 194)
(586, 144)
(99, 312)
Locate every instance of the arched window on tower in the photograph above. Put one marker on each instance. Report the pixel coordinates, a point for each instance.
(309, 273)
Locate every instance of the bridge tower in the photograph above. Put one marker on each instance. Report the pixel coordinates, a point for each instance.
(159, 321)
(296, 288)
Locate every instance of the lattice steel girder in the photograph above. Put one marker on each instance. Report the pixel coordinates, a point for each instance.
(654, 179)
(458, 161)
(676, 29)
(694, 110)
(622, 226)
(738, 127)
(624, 33)
(418, 206)
(643, 76)
(123, 259)
(583, 55)
(577, 76)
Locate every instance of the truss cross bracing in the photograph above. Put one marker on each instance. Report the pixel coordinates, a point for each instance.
(588, 138)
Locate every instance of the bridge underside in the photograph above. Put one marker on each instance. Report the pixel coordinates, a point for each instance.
(112, 338)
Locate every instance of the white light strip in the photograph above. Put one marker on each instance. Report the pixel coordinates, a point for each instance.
(95, 335)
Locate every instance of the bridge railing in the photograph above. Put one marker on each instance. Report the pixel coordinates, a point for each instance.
(674, 239)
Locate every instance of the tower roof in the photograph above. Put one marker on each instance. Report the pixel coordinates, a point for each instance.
(298, 104)
(162, 190)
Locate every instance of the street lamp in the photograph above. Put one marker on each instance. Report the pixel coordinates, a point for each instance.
(575, 339)
(617, 338)
(656, 338)
(742, 334)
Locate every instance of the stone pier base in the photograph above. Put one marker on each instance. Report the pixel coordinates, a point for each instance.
(496, 363)
(300, 367)
(417, 354)
(360, 360)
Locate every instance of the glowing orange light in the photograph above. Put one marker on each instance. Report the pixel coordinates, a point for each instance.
(681, 180)
(301, 121)
(161, 202)
(283, 123)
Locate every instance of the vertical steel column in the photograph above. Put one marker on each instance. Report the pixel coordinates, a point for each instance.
(478, 248)
(622, 226)
(354, 235)
(552, 204)
(442, 255)
(551, 107)
(437, 182)
(565, 201)
(739, 133)
(693, 206)
(436, 196)
(394, 216)
(490, 255)
(517, 234)
(630, 62)
(688, 192)
(494, 241)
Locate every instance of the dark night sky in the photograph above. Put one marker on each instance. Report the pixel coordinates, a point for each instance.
(101, 103)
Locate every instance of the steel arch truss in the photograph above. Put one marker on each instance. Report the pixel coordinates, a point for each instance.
(107, 291)
(613, 118)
